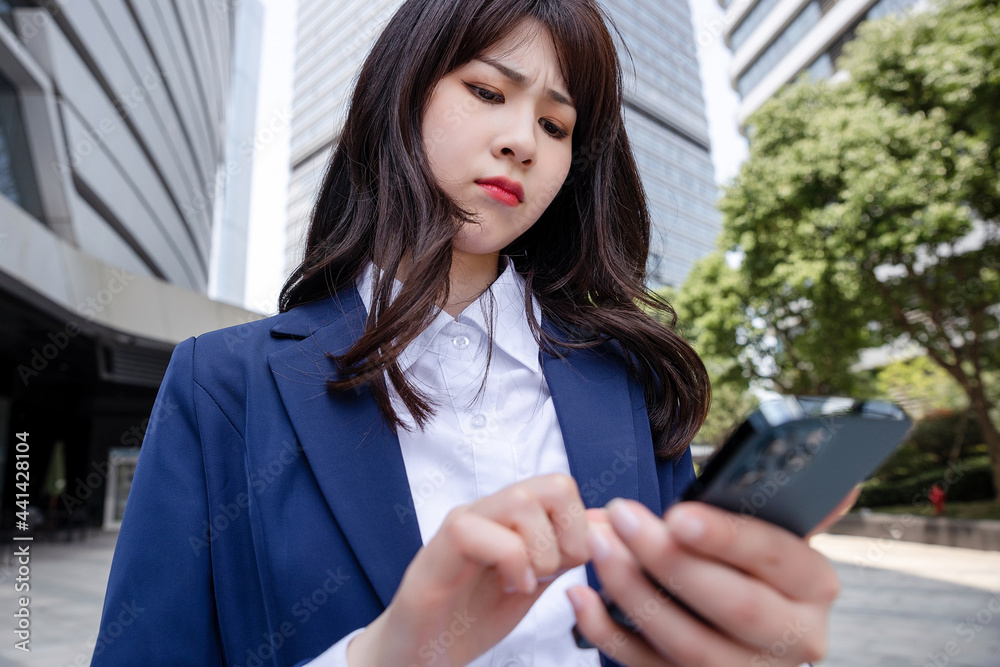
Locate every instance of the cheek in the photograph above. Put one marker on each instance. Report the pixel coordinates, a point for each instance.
(447, 150)
(560, 162)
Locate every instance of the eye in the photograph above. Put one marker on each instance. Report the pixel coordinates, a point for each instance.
(554, 130)
(486, 95)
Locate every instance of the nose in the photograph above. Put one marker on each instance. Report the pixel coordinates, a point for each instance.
(516, 140)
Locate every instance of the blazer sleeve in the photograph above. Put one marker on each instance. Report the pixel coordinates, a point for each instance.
(160, 608)
(674, 476)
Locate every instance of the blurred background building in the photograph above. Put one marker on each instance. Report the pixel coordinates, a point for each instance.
(228, 277)
(774, 41)
(113, 175)
(664, 110)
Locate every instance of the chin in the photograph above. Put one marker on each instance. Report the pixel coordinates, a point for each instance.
(479, 242)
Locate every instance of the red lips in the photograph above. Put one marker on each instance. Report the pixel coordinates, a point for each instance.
(507, 186)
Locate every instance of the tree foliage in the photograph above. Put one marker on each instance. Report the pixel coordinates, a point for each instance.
(867, 213)
(921, 386)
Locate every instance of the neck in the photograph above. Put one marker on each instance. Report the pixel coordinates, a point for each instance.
(470, 276)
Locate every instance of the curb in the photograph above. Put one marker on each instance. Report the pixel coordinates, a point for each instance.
(967, 534)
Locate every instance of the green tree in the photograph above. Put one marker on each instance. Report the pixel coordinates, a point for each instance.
(770, 332)
(872, 204)
(731, 396)
(921, 386)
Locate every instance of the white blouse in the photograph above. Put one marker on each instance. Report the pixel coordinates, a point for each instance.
(477, 445)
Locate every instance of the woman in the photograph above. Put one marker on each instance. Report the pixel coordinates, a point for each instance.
(395, 469)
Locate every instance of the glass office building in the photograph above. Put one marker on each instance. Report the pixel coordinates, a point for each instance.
(664, 110)
(773, 41)
(113, 119)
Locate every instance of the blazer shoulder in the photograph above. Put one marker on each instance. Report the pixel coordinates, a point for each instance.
(254, 340)
(231, 363)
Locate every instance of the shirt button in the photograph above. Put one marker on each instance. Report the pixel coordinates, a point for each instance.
(460, 342)
(479, 421)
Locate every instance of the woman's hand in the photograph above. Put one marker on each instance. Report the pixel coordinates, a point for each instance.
(765, 594)
(454, 602)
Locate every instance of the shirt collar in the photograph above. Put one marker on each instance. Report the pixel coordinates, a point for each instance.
(511, 330)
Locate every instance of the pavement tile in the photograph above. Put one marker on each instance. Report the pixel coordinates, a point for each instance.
(900, 606)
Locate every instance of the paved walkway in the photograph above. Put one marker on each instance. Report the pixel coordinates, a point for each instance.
(68, 580)
(905, 604)
(902, 605)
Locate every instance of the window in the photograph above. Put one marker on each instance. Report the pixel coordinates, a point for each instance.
(884, 7)
(786, 41)
(821, 68)
(751, 21)
(17, 178)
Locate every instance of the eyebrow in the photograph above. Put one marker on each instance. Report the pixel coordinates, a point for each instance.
(520, 79)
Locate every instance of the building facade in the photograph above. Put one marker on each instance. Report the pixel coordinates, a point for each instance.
(664, 111)
(774, 41)
(230, 239)
(112, 134)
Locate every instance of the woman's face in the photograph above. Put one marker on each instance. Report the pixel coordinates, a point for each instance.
(505, 115)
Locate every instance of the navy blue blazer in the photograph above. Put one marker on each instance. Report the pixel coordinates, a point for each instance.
(268, 518)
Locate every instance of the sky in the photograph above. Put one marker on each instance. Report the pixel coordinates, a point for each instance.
(729, 147)
(266, 243)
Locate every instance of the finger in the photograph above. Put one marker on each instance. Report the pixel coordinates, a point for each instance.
(549, 513)
(667, 627)
(842, 508)
(467, 539)
(729, 600)
(774, 555)
(611, 639)
(597, 515)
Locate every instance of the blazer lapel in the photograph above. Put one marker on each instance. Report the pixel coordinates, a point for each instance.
(353, 453)
(589, 391)
(356, 457)
(590, 395)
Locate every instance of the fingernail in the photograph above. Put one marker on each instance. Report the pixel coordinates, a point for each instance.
(685, 525)
(624, 520)
(598, 545)
(575, 599)
(528, 582)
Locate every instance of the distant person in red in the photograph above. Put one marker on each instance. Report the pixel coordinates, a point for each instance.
(937, 497)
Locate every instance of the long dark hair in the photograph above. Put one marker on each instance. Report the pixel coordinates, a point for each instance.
(584, 260)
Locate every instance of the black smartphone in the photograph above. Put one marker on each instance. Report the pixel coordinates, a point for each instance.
(791, 462)
(796, 457)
